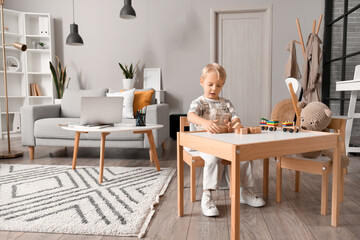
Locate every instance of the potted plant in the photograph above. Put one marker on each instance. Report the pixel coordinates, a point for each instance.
(129, 72)
(42, 45)
(59, 77)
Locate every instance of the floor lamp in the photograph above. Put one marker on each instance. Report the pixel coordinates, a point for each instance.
(9, 153)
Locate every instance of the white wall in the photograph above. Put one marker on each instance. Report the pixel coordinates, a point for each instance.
(171, 34)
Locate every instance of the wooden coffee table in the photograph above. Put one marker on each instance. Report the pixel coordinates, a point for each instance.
(117, 128)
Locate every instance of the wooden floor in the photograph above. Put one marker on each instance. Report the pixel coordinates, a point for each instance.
(297, 217)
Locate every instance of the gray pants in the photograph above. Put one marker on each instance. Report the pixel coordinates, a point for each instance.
(214, 171)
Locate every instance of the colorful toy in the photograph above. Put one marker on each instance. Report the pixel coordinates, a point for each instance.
(268, 124)
(289, 126)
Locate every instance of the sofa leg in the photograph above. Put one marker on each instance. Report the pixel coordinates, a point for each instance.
(31, 152)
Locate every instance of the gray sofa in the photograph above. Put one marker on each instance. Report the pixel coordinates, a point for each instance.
(40, 125)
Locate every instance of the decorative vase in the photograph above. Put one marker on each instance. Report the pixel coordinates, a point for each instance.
(57, 100)
(128, 83)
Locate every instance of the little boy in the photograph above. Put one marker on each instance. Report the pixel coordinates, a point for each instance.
(207, 113)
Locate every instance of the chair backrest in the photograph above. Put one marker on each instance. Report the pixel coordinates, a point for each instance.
(295, 101)
(357, 73)
(183, 123)
(338, 125)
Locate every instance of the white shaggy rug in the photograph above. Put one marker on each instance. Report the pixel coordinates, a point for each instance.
(57, 199)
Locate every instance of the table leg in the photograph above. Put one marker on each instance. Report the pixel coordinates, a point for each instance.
(235, 191)
(151, 155)
(76, 149)
(336, 185)
(265, 178)
(180, 177)
(153, 149)
(349, 122)
(102, 154)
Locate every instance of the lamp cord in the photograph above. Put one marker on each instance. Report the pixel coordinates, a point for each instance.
(73, 12)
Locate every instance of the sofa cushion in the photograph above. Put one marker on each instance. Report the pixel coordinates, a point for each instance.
(49, 128)
(128, 96)
(153, 100)
(71, 103)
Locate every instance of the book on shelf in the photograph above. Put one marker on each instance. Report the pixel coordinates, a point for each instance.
(35, 89)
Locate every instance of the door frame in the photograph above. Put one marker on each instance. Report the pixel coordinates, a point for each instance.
(267, 9)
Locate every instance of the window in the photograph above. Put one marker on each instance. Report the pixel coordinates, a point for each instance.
(341, 53)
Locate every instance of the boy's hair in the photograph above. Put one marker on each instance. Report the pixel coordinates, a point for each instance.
(214, 67)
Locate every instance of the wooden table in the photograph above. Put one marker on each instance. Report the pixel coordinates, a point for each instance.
(237, 148)
(354, 87)
(117, 128)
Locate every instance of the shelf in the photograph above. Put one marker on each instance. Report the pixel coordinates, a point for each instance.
(39, 97)
(4, 113)
(39, 73)
(37, 36)
(9, 72)
(17, 131)
(9, 48)
(9, 34)
(38, 50)
(14, 97)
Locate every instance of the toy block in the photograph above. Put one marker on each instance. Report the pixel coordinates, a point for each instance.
(243, 131)
(254, 130)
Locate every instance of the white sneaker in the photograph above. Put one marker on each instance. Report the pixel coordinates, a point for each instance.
(248, 197)
(207, 205)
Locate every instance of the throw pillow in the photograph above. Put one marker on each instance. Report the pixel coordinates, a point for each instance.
(153, 100)
(128, 96)
(142, 99)
(71, 103)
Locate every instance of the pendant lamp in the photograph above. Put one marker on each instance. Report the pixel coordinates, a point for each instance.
(74, 37)
(127, 12)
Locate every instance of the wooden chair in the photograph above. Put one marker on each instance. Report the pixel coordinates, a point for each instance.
(320, 165)
(193, 159)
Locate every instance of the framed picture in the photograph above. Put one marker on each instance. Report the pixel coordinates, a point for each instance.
(152, 78)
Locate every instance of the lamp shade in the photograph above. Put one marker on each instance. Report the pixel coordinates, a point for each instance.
(127, 12)
(20, 46)
(74, 38)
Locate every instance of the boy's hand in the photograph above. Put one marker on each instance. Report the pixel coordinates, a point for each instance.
(229, 125)
(211, 126)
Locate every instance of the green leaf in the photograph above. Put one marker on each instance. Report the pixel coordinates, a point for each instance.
(53, 72)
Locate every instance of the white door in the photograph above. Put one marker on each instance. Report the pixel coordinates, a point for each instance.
(241, 43)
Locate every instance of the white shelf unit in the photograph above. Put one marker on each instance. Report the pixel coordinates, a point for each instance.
(28, 28)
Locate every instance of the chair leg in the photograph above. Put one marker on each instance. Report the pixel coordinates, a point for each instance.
(192, 183)
(163, 146)
(342, 178)
(297, 181)
(265, 178)
(278, 180)
(31, 152)
(324, 191)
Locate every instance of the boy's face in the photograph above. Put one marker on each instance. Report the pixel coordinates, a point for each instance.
(212, 85)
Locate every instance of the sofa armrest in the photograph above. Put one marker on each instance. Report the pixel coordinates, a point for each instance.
(158, 114)
(29, 114)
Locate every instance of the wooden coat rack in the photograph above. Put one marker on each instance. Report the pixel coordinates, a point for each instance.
(294, 99)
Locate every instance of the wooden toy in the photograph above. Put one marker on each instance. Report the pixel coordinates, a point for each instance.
(249, 130)
(254, 130)
(289, 126)
(243, 131)
(268, 124)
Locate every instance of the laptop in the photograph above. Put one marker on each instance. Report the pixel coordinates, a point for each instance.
(101, 110)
